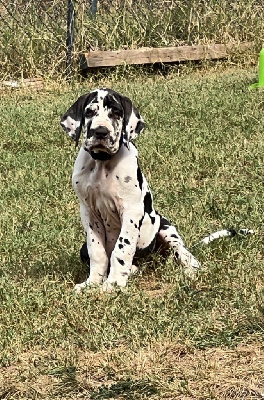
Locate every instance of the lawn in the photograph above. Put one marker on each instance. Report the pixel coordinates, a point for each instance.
(166, 336)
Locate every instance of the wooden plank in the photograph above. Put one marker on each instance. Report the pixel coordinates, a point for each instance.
(94, 59)
(31, 82)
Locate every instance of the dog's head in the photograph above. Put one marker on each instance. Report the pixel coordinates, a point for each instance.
(108, 119)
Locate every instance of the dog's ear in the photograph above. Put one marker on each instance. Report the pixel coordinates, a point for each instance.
(133, 122)
(73, 120)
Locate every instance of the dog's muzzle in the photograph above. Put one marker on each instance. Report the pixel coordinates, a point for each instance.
(99, 147)
(99, 133)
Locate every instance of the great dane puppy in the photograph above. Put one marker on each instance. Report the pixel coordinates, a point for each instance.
(115, 200)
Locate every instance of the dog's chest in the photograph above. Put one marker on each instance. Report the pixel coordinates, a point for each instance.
(100, 189)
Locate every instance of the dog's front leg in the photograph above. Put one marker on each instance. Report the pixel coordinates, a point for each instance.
(96, 250)
(122, 255)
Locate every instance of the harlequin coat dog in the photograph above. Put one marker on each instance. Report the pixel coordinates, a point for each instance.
(115, 200)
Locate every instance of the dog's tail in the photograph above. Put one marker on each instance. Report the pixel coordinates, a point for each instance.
(224, 233)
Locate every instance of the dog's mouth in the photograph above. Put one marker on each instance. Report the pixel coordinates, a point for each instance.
(101, 148)
(100, 155)
(99, 152)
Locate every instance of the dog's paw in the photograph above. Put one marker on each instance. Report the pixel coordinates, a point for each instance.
(110, 285)
(190, 272)
(194, 263)
(86, 284)
(134, 269)
(107, 287)
(187, 260)
(79, 287)
(192, 268)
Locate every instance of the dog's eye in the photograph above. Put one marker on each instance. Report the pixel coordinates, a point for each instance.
(89, 113)
(115, 114)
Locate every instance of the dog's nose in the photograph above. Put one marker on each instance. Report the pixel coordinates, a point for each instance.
(100, 133)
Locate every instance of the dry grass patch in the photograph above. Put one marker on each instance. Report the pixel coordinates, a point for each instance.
(166, 370)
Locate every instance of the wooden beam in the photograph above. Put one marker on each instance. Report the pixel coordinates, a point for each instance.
(94, 59)
(27, 82)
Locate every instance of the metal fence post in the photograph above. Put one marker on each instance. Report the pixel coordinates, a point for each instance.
(70, 39)
(93, 7)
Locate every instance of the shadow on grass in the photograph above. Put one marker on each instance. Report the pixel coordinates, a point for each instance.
(127, 388)
(62, 265)
(124, 388)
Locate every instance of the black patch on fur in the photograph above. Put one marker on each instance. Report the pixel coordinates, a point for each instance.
(147, 203)
(140, 222)
(152, 219)
(139, 177)
(140, 125)
(121, 141)
(88, 133)
(174, 236)
(233, 232)
(76, 112)
(110, 102)
(140, 253)
(126, 241)
(120, 246)
(122, 262)
(120, 239)
(164, 223)
(90, 226)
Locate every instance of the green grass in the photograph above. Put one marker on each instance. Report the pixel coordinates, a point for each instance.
(166, 336)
